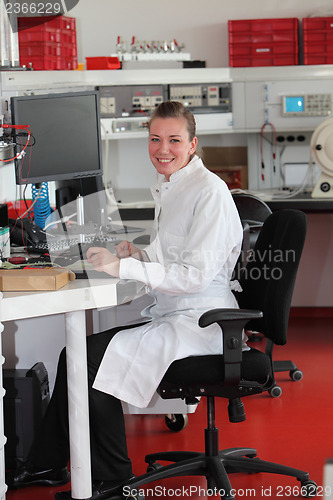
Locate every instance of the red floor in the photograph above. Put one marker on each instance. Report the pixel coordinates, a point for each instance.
(295, 429)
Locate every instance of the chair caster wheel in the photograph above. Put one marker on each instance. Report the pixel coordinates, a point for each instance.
(309, 489)
(296, 375)
(275, 391)
(176, 422)
(154, 466)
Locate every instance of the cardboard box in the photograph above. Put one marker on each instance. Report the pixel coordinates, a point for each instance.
(229, 163)
(25, 280)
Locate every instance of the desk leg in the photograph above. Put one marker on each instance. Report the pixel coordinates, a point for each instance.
(78, 410)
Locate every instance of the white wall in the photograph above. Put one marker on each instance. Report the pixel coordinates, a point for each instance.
(202, 25)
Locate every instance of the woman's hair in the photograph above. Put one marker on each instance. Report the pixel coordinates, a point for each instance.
(174, 109)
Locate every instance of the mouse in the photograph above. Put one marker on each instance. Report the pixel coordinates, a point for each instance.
(144, 239)
(23, 232)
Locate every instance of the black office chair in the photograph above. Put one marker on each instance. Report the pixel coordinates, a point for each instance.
(265, 303)
(253, 212)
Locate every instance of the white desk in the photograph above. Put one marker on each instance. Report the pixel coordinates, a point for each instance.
(72, 300)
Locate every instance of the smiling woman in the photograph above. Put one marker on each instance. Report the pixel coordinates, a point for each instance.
(172, 140)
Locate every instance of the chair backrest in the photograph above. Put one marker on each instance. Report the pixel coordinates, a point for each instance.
(250, 208)
(253, 212)
(269, 277)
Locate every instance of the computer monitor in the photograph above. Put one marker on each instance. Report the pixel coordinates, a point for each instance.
(66, 139)
(65, 146)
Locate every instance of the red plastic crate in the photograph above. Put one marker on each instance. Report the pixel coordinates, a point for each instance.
(244, 61)
(318, 36)
(46, 22)
(46, 63)
(318, 59)
(49, 44)
(262, 50)
(36, 35)
(263, 42)
(318, 23)
(68, 37)
(69, 63)
(318, 48)
(317, 40)
(68, 50)
(40, 49)
(49, 63)
(102, 63)
(63, 23)
(255, 38)
(267, 25)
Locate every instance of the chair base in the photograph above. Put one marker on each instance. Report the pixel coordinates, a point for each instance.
(288, 366)
(216, 469)
(284, 366)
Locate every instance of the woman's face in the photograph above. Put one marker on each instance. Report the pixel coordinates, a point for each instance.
(169, 145)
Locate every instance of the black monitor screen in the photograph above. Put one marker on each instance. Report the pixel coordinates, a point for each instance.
(65, 141)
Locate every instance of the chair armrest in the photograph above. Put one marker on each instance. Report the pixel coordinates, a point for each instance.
(216, 315)
(231, 322)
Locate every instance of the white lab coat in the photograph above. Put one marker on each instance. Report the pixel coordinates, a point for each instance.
(195, 243)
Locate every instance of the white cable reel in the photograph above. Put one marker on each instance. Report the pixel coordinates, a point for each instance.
(321, 151)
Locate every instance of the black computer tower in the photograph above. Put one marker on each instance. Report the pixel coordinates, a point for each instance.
(26, 399)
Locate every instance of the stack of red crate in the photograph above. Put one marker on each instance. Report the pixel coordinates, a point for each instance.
(48, 45)
(263, 42)
(318, 40)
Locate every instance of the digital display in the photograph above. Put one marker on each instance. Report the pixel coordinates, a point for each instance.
(302, 105)
(294, 104)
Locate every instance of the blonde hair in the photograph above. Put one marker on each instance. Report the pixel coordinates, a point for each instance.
(175, 109)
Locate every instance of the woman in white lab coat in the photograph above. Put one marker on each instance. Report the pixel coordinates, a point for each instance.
(195, 244)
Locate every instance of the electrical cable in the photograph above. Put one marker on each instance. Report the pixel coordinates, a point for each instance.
(61, 221)
(307, 177)
(17, 127)
(28, 208)
(262, 148)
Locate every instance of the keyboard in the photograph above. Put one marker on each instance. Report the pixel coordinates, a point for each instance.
(71, 243)
(91, 274)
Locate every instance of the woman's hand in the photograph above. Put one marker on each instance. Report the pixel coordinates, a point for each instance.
(103, 260)
(126, 249)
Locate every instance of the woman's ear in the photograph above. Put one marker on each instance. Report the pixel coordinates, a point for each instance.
(194, 144)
